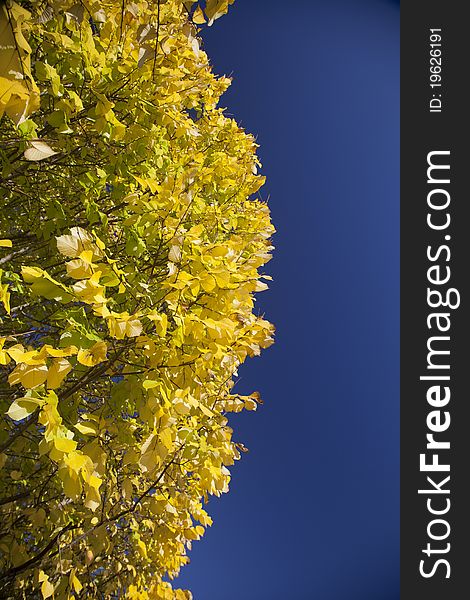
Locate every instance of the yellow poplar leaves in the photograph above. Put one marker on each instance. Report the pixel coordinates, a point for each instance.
(132, 247)
(19, 94)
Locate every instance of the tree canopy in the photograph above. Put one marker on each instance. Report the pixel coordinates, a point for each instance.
(132, 242)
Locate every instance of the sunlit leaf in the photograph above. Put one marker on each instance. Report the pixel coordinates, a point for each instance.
(38, 151)
(133, 243)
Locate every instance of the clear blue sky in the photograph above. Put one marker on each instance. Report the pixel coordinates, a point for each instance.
(313, 511)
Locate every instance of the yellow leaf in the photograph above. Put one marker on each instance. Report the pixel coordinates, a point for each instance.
(150, 384)
(209, 283)
(19, 94)
(5, 297)
(152, 452)
(79, 269)
(59, 352)
(76, 100)
(6, 244)
(76, 460)
(92, 499)
(4, 358)
(216, 8)
(103, 105)
(260, 286)
(124, 326)
(64, 444)
(127, 489)
(87, 428)
(87, 256)
(175, 254)
(22, 408)
(250, 404)
(117, 329)
(142, 548)
(47, 589)
(42, 576)
(38, 151)
(198, 16)
(77, 586)
(94, 482)
(166, 438)
(92, 356)
(29, 357)
(30, 376)
(90, 290)
(43, 284)
(161, 323)
(133, 328)
(99, 243)
(30, 274)
(57, 372)
(74, 244)
(71, 483)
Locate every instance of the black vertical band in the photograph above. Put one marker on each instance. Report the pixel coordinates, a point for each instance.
(435, 272)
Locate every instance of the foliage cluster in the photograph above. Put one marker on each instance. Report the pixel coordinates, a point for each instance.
(132, 247)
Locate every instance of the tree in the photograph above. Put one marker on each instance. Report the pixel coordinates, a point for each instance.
(132, 243)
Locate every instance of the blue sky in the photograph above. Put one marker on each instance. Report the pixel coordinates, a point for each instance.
(313, 511)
